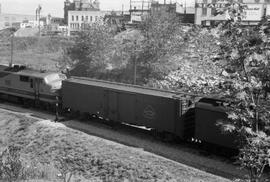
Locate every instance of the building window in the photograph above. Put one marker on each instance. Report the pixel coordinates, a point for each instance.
(77, 18)
(204, 11)
(91, 18)
(72, 18)
(7, 24)
(96, 18)
(86, 18)
(82, 18)
(213, 11)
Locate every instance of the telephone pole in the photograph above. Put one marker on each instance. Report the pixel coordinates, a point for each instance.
(38, 10)
(11, 49)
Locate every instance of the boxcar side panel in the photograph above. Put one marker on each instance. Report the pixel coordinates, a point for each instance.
(126, 108)
(156, 112)
(83, 98)
(152, 111)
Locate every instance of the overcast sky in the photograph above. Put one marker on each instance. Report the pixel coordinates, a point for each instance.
(55, 7)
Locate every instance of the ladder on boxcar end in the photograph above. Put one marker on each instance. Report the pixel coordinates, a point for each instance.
(188, 116)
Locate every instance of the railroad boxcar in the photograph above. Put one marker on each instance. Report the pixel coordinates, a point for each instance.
(26, 84)
(161, 110)
(208, 112)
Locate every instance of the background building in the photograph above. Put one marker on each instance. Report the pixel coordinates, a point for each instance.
(53, 26)
(139, 10)
(14, 20)
(78, 20)
(205, 11)
(31, 24)
(117, 20)
(182, 13)
(80, 5)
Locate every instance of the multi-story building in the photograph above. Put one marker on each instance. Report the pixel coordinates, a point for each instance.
(206, 11)
(79, 20)
(182, 13)
(80, 5)
(117, 19)
(139, 10)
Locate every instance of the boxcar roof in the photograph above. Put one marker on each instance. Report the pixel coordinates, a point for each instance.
(24, 72)
(125, 87)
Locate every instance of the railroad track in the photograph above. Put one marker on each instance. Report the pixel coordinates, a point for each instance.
(183, 152)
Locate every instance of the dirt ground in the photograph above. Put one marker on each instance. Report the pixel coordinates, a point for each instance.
(56, 151)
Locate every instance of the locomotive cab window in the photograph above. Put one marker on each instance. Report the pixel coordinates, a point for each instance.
(24, 78)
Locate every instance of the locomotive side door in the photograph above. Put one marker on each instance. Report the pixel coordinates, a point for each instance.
(111, 101)
(35, 83)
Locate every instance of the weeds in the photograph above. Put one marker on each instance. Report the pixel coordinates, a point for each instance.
(10, 164)
(62, 164)
(13, 168)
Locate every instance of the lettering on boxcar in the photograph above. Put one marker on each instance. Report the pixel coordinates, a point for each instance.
(149, 112)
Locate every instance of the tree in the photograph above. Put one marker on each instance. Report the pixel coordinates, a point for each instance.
(10, 164)
(91, 49)
(246, 52)
(164, 37)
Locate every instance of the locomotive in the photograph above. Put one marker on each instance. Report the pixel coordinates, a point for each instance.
(29, 86)
(171, 113)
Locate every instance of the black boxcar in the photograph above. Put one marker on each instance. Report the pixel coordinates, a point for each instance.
(125, 103)
(208, 112)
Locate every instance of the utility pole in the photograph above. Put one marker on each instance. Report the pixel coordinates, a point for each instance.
(38, 10)
(11, 49)
(135, 70)
(135, 63)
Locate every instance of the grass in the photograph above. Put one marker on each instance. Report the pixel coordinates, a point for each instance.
(54, 152)
(35, 52)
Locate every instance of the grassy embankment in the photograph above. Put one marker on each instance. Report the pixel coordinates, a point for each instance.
(48, 149)
(35, 52)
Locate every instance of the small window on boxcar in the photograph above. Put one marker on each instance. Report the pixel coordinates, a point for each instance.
(24, 78)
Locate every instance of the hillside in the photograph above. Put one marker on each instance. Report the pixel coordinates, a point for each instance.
(189, 66)
(47, 148)
(35, 52)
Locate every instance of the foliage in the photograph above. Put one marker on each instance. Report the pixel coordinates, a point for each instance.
(91, 49)
(195, 68)
(64, 167)
(163, 37)
(110, 56)
(245, 51)
(255, 156)
(10, 164)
